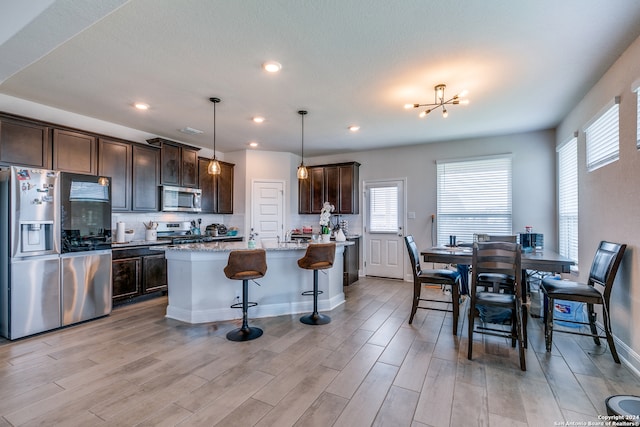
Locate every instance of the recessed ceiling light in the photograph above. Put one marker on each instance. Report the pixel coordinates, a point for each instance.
(258, 119)
(141, 106)
(354, 128)
(253, 144)
(272, 66)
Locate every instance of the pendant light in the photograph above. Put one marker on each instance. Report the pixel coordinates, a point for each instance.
(303, 173)
(214, 165)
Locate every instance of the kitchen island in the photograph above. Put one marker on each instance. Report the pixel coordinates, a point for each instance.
(199, 292)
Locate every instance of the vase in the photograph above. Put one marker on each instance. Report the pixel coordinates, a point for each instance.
(326, 238)
(340, 237)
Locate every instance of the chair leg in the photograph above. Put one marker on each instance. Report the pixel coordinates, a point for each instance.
(548, 322)
(607, 330)
(514, 328)
(520, 335)
(417, 286)
(472, 309)
(315, 318)
(591, 315)
(455, 299)
(244, 333)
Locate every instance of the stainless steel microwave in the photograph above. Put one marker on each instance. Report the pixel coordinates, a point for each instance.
(180, 199)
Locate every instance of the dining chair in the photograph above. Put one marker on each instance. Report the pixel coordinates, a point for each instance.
(500, 258)
(603, 273)
(442, 277)
(497, 280)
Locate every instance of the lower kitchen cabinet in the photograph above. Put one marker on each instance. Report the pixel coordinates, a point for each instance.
(351, 261)
(137, 271)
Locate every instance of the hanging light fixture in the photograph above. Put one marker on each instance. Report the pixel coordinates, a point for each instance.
(440, 101)
(214, 165)
(303, 173)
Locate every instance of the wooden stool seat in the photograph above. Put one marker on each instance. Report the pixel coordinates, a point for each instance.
(319, 256)
(245, 265)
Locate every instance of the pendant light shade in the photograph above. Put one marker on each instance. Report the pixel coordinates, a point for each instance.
(303, 173)
(214, 165)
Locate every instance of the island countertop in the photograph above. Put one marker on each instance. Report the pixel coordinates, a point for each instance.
(199, 292)
(233, 246)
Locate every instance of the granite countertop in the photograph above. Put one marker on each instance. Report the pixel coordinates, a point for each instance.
(232, 246)
(162, 241)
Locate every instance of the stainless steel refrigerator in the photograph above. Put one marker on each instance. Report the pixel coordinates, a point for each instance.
(55, 250)
(29, 251)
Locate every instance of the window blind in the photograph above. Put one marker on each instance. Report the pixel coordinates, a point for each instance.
(383, 209)
(636, 89)
(568, 199)
(603, 138)
(474, 196)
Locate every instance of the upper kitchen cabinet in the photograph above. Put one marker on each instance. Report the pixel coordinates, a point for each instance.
(114, 160)
(145, 178)
(24, 142)
(75, 152)
(337, 184)
(217, 190)
(179, 163)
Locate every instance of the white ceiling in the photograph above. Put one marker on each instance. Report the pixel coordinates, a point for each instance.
(524, 63)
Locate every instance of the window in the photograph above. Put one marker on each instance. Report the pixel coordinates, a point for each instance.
(474, 196)
(568, 198)
(603, 137)
(636, 88)
(383, 209)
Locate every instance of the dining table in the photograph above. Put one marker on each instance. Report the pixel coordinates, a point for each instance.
(533, 260)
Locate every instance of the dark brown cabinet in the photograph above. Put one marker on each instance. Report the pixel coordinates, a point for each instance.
(217, 190)
(337, 184)
(126, 277)
(154, 273)
(75, 152)
(145, 178)
(179, 163)
(351, 262)
(137, 271)
(24, 143)
(114, 160)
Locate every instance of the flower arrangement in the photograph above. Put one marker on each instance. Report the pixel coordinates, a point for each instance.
(325, 217)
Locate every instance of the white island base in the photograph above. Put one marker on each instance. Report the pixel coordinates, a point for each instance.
(199, 292)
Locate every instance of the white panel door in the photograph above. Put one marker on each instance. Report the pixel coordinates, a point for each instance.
(268, 210)
(384, 231)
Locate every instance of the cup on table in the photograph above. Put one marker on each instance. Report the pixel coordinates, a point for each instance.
(452, 240)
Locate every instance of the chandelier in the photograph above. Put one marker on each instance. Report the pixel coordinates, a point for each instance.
(303, 173)
(440, 101)
(214, 165)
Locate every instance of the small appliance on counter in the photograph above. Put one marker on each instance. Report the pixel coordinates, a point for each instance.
(216, 230)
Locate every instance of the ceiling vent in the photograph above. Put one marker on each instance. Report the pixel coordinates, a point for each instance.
(191, 131)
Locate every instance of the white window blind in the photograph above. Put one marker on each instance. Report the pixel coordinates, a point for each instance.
(383, 209)
(568, 199)
(474, 196)
(636, 88)
(603, 138)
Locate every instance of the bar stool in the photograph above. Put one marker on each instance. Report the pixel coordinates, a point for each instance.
(245, 265)
(319, 256)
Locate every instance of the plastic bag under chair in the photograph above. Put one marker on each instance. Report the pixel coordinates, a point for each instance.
(491, 314)
(569, 310)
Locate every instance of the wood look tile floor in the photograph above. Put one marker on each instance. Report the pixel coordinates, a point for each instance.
(367, 367)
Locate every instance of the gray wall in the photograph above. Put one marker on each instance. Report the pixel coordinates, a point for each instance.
(609, 197)
(534, 201)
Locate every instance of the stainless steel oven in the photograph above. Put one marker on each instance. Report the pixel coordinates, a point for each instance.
(180, 199)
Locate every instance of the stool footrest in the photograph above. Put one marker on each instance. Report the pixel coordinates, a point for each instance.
(239, 305)
(306, 293)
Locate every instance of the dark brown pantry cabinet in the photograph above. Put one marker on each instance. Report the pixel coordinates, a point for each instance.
(217, 190)
(75, 152)
(179, 163)
(23, 142)
(337, 184)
